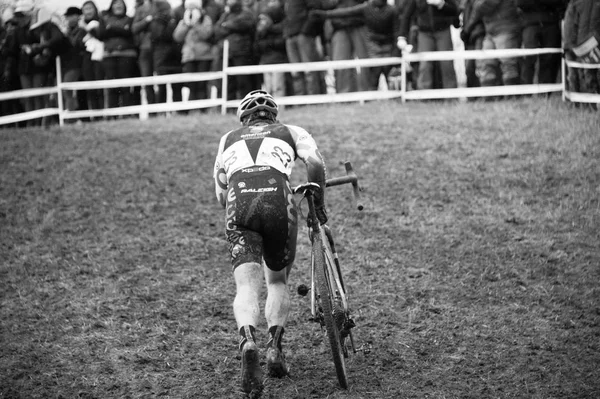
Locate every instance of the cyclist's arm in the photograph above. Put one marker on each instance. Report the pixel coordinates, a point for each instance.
(220, 176)
(307, 151)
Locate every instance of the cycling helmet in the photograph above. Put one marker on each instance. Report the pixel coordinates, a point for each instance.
(257, 100)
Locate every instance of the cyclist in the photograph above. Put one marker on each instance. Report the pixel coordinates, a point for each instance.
(252, 171)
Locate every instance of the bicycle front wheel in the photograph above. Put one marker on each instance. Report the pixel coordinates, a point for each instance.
(331, 307)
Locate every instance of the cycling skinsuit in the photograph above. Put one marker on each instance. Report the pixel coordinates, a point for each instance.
(252, 170)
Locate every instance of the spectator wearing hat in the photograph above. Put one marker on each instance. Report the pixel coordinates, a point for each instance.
(195, 32)
(91, 63)
(18, 52)
(9, 78)
(120, 55)
(72, 56)
(50, 43)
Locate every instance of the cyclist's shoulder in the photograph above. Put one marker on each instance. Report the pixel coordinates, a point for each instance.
(296, 131)
(234, 135)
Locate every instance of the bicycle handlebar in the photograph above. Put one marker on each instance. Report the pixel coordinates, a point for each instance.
(349, 178)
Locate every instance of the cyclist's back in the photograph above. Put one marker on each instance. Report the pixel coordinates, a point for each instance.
(272, 145)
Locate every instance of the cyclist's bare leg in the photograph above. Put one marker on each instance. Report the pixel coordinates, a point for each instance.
(246, 309)
(277, 310)
(277, 307)
(248, 281)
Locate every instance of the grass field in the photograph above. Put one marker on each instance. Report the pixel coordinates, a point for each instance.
(474, 269)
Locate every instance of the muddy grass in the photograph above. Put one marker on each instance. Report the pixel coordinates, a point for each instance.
(473, 270)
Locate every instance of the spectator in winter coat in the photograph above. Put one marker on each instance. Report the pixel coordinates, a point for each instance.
(140, 28)
(19, 51)
(271, 45)
(503, 29)
(541, 28)
(166, 51)
(582, 35)
(71, 59)
(9, 77)
(434, 18)
(473, 40)
(195, 31)
(51, 42)
(300, 32)
(237, 25)
(348, 42)
(382, 28)
(214, 9)
(120, 54)
(91, 63)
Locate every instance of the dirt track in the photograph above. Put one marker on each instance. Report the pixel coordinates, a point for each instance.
(473, 269)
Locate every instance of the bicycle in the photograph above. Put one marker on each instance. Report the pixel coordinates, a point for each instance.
(329, 298)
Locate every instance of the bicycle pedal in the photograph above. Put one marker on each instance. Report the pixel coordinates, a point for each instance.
(365, 349)
(349, 324)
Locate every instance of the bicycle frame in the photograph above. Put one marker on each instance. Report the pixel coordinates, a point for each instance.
(329, 300)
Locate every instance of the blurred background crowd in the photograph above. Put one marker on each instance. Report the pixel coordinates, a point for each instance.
(158, 38)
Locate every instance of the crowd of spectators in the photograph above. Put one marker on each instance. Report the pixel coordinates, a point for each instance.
(157, 39)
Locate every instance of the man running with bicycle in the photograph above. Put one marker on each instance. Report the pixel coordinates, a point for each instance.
(252, 171)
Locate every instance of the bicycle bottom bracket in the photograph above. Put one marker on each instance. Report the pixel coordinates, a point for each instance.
(303, 290)
(348, 325)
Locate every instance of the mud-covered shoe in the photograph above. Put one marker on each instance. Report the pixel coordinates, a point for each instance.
(276, 366)
(251, 371)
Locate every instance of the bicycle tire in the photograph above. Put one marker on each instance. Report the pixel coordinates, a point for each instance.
(329, 307)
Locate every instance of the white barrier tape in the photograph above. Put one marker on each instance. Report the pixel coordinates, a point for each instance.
(371, 62)
(482, 91)
(478, 54)
(26, 93)
(312, 66)
(582, 97)
(25, 116)
(330, 98)
(139, 109)
(574, 64)
(142, 81)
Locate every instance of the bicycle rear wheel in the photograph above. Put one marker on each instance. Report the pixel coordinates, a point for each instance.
(330, 306)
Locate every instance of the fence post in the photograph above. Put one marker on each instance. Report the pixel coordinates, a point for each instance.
(224, 80)
(144, 103)
(403, 79)
(563, 75)
(59, 94)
